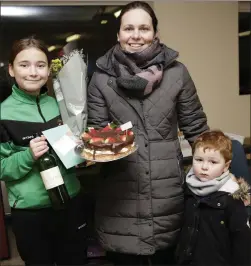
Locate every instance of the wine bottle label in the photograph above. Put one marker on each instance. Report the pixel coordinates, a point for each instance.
(52, 178)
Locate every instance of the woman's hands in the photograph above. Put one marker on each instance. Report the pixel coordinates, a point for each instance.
(38, 147)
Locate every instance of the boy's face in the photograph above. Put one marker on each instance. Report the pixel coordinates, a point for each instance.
(209, 164)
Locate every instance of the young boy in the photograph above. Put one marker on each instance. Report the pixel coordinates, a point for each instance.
(215, 230)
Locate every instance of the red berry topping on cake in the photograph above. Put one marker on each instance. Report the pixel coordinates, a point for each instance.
(95, 140)
(110, 140)
(130, 133)
(123, 138)
(118, 129)
(106, 129)
(92, 130)
(86, 136)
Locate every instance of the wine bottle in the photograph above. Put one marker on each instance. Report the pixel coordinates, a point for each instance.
(53, 181)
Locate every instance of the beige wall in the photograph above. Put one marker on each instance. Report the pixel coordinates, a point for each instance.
(206, 35)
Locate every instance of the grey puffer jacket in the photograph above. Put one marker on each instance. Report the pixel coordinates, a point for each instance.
(140, 201)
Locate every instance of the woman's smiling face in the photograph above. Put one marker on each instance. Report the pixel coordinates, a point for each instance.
(136, 31)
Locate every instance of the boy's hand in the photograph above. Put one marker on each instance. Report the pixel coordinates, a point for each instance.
(38, 147)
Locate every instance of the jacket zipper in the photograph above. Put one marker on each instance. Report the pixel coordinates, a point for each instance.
(39, 109)
(141, 103)
(149, 164)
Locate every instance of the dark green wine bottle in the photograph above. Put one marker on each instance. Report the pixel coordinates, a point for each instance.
(53, 181)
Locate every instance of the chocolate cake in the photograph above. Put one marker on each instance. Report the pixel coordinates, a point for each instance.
(107, 143)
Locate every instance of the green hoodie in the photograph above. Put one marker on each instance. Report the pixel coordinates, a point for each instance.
(22, 116)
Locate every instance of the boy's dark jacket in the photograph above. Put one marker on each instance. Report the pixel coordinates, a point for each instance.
(215, 230)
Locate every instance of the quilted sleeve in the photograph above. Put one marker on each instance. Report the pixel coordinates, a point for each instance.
(191, 117)
(97, 107)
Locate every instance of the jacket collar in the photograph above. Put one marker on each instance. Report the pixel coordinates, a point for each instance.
(237, 188)
(24, 97)
(105, 62)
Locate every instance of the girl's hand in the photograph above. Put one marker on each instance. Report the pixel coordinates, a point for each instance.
(38, 147)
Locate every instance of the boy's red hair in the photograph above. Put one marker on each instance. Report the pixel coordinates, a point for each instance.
(216, 140)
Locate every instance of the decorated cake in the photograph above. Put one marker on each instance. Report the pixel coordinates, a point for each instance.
(109, 143)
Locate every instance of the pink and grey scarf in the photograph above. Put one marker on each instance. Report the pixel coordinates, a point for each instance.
(139, 73)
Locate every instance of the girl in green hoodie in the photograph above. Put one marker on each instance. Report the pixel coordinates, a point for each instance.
(43, 236)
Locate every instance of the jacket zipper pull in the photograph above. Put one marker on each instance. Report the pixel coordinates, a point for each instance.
(39, 109)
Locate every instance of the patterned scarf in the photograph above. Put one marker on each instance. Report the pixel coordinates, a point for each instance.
(139, 73)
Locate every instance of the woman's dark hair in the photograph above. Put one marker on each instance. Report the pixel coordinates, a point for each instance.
(30, 42)
(139, 5)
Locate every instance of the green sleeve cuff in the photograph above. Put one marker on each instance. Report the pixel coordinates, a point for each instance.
(29, 157)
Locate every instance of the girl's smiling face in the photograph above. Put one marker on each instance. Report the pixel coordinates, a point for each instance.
(30, 69)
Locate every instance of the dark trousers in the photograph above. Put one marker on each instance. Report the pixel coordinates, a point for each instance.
(160, 258)
(48, 237)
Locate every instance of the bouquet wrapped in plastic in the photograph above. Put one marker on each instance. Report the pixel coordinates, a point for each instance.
(70, 87)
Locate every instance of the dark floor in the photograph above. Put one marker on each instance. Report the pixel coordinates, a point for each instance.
(15, 259)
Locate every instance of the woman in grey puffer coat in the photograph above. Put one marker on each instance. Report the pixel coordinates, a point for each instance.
(140, 201)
